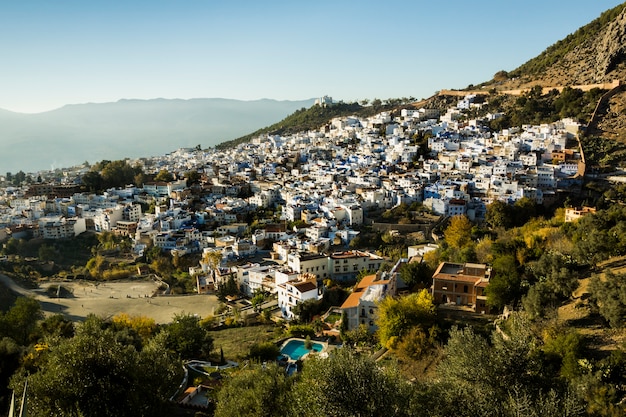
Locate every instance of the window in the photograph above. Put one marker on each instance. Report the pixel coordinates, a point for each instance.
(465, 288)
(345, 269)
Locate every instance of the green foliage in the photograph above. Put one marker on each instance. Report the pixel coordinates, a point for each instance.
(540, 301)
(533, 107)
(57, 326)
(347, 384)
(600, 235)
(416, 343)
(21, 320)
(504, 285)
(300, 330)
(109, 174)
(608, 297)
(306, 310)
(164, 176)
(264, 351)
(499, 214)
(396, 316)
(565, 349)
(361, 336)
(90, 374)
(188, 338)
(228, 288)
(260, 391)
(603, 152)
(506, 377)
(416, 273)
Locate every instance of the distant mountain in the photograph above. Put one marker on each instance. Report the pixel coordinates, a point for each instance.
(128, 128)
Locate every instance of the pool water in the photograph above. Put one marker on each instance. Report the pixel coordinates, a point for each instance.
(295, 349)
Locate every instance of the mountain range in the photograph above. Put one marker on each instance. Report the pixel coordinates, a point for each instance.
(91, 132)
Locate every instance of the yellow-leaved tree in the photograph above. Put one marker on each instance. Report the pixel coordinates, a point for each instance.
(397, 316)
(459, 232)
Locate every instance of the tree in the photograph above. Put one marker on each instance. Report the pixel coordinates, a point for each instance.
(416, 273)
(459, 232)
(504, 285)
(499, 214)
(501, 76)
(608, 297)
(264, 351)
(164, 176)
(188, 338)
(21, 320)
(347, 384)
(90, 374)
(117, 174)
(260, 391)
(193, 177)
(228, 288)
(92, 180)
(306, 310)
(57, 326)
(524, 209)
(47, 252)
(396, 316)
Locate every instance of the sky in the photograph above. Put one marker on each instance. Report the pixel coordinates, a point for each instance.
(62, 52)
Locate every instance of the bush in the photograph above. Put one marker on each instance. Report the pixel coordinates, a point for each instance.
(264, 351)
(301, 330)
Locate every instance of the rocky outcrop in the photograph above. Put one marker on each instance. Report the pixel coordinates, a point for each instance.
(611, 46)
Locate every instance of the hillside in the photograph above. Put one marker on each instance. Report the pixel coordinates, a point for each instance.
(595, 53)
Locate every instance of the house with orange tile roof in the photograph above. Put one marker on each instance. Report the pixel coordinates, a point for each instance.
(457, 284)
(361, 306)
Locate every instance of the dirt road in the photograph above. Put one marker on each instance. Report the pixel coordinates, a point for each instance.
(110, 298)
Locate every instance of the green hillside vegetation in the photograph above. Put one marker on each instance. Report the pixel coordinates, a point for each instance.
(557, 51)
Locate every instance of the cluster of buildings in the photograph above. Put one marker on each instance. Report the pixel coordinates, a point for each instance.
(320, 184)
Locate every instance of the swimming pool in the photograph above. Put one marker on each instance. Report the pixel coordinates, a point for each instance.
(295, 349)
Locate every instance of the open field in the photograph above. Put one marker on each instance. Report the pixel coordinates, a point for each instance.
(236, 342)
(110, 298)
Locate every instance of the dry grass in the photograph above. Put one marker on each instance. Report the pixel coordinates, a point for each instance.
(236, 342)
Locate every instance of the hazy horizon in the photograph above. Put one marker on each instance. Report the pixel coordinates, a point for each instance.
(73, 134)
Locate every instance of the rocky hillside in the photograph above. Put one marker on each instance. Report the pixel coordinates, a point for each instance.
(595, 53)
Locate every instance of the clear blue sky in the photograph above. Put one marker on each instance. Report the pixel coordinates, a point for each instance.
(76, 51)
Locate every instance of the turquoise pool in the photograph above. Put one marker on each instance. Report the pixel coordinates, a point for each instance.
(294, 349)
